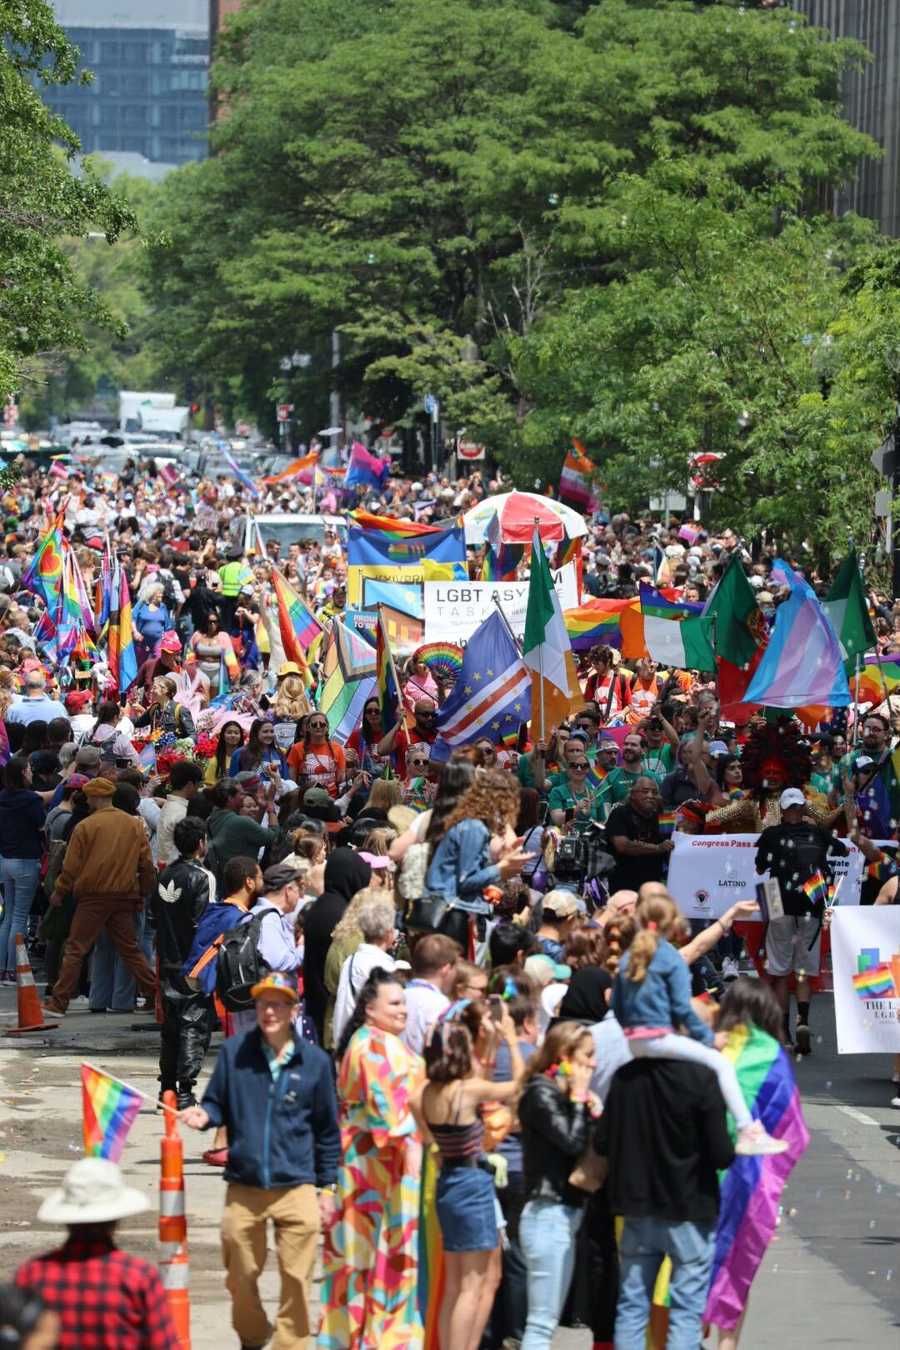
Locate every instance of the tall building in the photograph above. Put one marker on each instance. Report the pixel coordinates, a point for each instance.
(150, 60)
(871, 100)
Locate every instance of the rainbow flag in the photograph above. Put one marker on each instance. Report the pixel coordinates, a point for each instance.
(44, 574)
(108, 1109)
(751, 1187)
(121, 655)
(596, 621)
(575, 479)
(882, 869)
(386, 678)
(393, 526)
(303, 466)
(816, 889)
(876, 677)
(298, 625)
(667, 824)
(876, 982)
(501, 561)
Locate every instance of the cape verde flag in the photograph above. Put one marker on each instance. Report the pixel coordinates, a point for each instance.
(492, 693)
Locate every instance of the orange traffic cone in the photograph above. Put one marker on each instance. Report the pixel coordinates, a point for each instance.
(30, 1016)
(173, 1265)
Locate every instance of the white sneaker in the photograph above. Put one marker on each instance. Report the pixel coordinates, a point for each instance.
(754, 1141)
(730, 968)
(895, 1101)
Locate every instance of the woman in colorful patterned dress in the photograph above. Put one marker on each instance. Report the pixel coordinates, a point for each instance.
(371, 1250)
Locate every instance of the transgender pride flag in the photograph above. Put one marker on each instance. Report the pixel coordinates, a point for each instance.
(803, 664)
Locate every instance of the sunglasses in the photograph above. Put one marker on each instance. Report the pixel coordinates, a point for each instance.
(580, 766)
(318, 726)
(427, 716)
(419, 763)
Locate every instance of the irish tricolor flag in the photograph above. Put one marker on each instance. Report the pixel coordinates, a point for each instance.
(674, 633)
(546, 648)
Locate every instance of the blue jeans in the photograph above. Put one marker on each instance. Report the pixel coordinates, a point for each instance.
(644, 1244)
(547, 1232)
(111, 984)
(19, 878)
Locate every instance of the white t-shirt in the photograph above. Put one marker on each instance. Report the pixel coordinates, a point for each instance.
(424, 1005)
(354, 973)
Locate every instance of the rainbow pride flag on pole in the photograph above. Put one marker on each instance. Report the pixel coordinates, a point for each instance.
(595, 621)
(109, 1107)
(815, 888)
(299, 627)
(751, 1187)
(877, 679)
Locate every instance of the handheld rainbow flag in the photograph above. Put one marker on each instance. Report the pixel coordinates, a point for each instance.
(877, 679)
(575, 479)
(387, 685)
(44, 575)
(667, 824)
(876, 982)
(303, 466)
(816, 889)
(109, 1107)
(299, 626)
(121, 654)
(751, 1187)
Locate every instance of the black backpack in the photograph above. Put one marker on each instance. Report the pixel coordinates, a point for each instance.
(239, 965)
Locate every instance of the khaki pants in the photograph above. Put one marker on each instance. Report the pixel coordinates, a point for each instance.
(294, 1212)
(115, 913)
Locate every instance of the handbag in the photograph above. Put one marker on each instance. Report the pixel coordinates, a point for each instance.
(413, 871)
(589, 1173)
(427, 913)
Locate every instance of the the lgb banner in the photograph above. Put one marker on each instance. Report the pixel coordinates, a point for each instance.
(865, 958)
(708, 873)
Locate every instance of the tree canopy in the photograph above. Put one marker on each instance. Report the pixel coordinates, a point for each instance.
(592, 219)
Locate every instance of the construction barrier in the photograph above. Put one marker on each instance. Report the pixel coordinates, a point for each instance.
(173, 1264)
(28, 1002)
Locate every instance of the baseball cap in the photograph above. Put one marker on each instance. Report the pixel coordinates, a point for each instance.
(545, 970)
(717, 748)
(318, 804)
(77, 700)
(275, 983)
(791, 797)
(561, 903)
(280, 874)
(863, 762)
(87, 757)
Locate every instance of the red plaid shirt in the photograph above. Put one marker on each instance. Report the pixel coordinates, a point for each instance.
(106, 1299)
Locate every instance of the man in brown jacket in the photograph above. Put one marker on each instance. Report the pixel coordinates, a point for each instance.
(109, 869)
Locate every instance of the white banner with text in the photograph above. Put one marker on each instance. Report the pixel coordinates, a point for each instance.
(865, 959)
(454, 609)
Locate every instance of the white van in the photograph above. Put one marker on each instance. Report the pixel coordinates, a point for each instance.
(286, 527)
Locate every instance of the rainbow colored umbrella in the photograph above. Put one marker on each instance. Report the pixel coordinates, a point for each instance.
(518, 512)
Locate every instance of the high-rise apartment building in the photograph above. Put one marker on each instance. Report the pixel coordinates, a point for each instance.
(150, 60)
(871, 100)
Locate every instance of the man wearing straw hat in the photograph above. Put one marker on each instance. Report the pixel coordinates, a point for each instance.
(274, 1092)
(103, 1296)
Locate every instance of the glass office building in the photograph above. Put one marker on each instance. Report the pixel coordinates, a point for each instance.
(150, 60)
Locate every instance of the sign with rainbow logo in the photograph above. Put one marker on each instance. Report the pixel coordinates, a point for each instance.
(865, 951)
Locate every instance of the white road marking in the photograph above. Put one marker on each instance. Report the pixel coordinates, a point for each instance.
(857, 1115)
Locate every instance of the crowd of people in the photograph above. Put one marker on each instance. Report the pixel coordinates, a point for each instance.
(466, 1026)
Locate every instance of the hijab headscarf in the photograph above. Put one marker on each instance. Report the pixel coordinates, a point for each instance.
(346, 873)
(585, 998)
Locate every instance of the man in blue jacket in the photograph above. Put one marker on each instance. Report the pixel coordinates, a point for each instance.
(275, 1095)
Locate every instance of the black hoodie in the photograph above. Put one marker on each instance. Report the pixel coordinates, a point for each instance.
(21, 823)
(345, 874)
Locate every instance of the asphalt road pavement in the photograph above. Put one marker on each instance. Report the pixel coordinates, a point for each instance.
(830, 1278)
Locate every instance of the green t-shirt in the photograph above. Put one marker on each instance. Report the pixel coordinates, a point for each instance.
(657, 763)
(616, 786)
(562, 799)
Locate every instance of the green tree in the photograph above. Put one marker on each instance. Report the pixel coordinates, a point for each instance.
(44, 305)
(445, 182)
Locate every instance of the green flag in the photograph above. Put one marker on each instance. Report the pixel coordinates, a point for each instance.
(738, 628)
(848, 613)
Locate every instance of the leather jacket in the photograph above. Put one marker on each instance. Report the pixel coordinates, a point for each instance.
(555, 1133)
(183, 891)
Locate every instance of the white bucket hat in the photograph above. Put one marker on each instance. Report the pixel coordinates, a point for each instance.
(93, 1191)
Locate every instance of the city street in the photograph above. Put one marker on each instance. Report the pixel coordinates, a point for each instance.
(830, 1278)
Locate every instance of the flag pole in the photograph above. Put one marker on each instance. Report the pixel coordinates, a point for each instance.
(543, 735)
(390, 656)
(131, 1088)
(502, 611)
(856, 703)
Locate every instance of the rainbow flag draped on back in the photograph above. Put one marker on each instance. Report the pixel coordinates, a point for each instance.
(108, 1110)
(298, 626)
(751, 1187)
